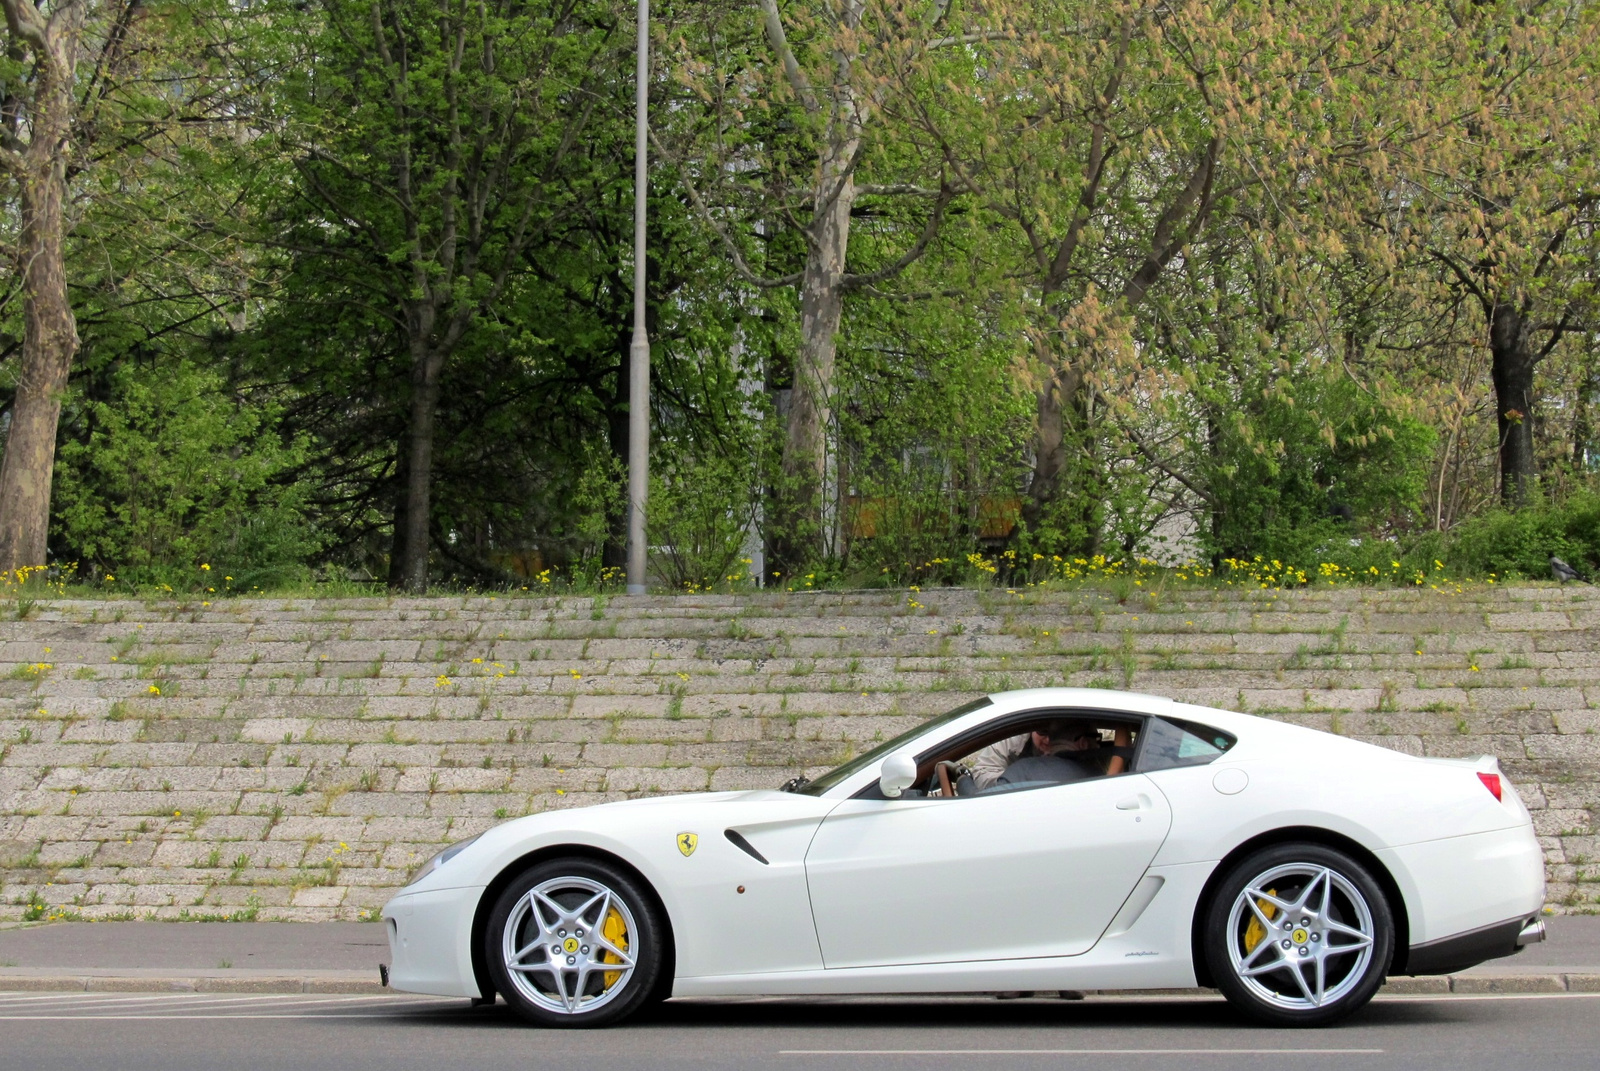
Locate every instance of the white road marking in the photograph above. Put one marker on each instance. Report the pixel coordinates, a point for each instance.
(179, 1000)
(78, 1006)
(1436, 998)
(1079, 1052)
(199, 1015)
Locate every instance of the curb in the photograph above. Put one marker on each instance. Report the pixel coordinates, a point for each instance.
(362, 983)
(1552, 982)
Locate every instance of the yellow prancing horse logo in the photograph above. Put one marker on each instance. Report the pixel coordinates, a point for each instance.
(688, 842)
(570, 945)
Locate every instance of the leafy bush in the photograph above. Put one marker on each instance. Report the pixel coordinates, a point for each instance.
(1282, 466)
(1521, 543)
(160, 474)
(699, 517)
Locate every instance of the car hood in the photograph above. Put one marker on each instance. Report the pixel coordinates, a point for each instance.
(620, 827)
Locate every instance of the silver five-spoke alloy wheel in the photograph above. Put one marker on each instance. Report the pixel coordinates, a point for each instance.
(568, 945)
(1300, 936)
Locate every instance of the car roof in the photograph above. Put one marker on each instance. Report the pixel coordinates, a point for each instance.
(1087, 698)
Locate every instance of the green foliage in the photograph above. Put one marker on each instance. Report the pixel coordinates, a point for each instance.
(1520, 544)
(929, 432)
(1309, 462)
(1276, 355)
(166, 472)
(699, 520)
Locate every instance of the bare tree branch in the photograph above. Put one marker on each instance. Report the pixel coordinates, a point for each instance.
(739, 265)
(780, 44)
(910, 256)
(27, 24)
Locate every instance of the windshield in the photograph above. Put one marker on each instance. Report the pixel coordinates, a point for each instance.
(861, 762)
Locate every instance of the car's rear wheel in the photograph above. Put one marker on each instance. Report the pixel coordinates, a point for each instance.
(574, 942)
(1298, 935)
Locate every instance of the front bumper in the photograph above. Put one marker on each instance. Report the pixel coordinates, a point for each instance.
(430, 942)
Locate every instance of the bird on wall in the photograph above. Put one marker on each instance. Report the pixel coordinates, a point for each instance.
(1564, 572)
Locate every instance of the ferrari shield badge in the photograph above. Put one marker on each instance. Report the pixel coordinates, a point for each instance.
(687, 842)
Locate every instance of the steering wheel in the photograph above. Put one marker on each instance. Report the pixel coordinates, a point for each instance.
(945, 788)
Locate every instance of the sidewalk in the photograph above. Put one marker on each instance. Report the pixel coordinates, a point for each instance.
(343, 957)
(216, 957)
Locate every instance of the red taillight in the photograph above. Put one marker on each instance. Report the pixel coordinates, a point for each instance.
(1491, 781)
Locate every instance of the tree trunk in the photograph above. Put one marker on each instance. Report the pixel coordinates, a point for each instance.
(1061, 464)
(412, 541)
(1582, 424)
(50, 331)
(1050, 445)
(1512, 371)
(1214, 449)
(397, 548)
(798, 537)
(614, 552)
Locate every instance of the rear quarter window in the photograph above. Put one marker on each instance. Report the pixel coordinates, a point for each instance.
(1169, 743)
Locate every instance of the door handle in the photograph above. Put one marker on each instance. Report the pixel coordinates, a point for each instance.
(1133, 803)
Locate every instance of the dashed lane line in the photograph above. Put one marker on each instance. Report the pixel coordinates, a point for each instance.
(1423, 998)
(1080, 1052)
(185, 1000)
(220, 1006)
(123, 998)
(154, 1016)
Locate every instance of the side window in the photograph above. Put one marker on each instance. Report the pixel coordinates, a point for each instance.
(1050, 747)
(1170, 743)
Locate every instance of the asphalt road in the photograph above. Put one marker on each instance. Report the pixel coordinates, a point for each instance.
(177, 1032)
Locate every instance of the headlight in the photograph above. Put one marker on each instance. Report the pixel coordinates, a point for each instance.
(439, 860)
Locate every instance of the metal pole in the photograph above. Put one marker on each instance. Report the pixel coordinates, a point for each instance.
(639, 350)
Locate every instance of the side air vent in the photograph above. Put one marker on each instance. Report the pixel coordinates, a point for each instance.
(737, 840)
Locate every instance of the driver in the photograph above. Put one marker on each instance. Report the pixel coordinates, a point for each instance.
(1060, 737)
(1055, 746)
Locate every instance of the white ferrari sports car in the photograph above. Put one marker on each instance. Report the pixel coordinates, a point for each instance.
(1054, 839)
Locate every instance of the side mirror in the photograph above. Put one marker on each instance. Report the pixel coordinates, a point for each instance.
(898, 773)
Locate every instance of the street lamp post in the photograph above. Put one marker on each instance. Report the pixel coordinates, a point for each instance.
(639, 349)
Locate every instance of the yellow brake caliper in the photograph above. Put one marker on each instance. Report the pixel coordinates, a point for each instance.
(1254, 932)
(615, 931)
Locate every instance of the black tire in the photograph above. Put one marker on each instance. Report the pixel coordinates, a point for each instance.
(1304, 968)
(582, 906)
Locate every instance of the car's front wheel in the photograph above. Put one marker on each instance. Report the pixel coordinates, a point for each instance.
(574, 942)
(1298, 935)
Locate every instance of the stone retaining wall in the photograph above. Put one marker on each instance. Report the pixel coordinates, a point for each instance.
(293, 760)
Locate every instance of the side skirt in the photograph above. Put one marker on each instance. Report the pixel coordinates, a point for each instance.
(1154, 972)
